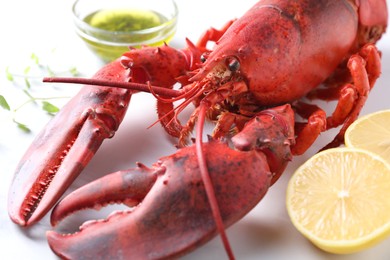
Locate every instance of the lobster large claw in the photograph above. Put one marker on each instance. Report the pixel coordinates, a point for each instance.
(173, 206)
(170, 212)
(66, 145)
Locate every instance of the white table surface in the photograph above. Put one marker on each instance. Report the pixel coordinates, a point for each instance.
(45, 28)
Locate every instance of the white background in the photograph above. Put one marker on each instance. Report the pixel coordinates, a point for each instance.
(45, 28)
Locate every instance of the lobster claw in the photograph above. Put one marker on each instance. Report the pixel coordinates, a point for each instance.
(65, 146)
(173, 216)
(170, 213)
(128, 186)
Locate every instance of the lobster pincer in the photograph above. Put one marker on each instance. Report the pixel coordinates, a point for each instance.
(169, 199)
(66, 145)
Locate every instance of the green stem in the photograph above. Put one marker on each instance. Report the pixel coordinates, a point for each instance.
(33, 99)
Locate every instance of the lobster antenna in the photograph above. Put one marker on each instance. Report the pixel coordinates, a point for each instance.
(190, 96)
(207, 180)
(175, 110)
(126, 85)
(172, 99)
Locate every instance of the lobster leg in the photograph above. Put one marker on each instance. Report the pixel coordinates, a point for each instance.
(176, 208)
(364, 68)
(308, 132)
(225, 122)
(65, 146)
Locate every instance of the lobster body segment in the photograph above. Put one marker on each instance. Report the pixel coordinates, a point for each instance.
(298, 37)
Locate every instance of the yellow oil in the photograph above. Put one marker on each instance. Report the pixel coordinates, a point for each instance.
(117, 29)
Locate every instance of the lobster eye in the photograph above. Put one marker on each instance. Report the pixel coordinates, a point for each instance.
(233, 64)
(204, 57)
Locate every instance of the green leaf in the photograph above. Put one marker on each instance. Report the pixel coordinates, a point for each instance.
(74, 71)
(23, 127)
(9, 75)
(3, 103)
(27, 70)
(50, 108)
(34, 57)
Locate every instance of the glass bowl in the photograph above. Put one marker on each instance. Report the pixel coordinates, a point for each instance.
(110, 27)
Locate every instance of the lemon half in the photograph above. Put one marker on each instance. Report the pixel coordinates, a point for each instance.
(340, 199)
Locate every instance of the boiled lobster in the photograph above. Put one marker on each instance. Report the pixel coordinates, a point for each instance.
(255, 82)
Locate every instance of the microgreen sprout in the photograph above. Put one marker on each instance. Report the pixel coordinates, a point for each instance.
(4, 103)
(28, 81)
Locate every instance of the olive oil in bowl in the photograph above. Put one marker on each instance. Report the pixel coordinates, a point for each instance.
(109, 32)
(124, 20)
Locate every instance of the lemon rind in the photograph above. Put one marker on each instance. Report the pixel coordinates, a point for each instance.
(358, 121)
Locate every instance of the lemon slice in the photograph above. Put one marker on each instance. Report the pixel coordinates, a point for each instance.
(340, 199)
(371, 132)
